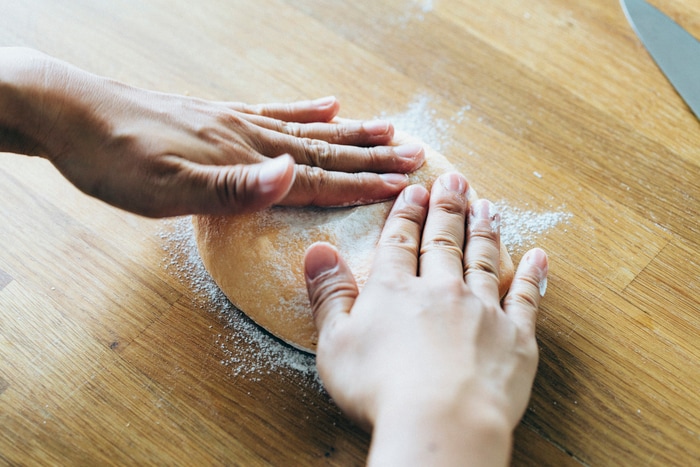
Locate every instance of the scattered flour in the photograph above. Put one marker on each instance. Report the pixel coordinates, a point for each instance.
(248, 350)
(414, 10)
(420, 120)
(520, 228)
(251, 351)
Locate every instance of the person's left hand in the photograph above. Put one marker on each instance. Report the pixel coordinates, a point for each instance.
(162, 154)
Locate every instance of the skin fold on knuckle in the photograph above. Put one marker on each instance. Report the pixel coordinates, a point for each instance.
(524, 294)
(343, 133)
(319, 153)
(408, 214)
(231, 188)
(399, 228)
(444, 242)
(451, 206)
(377, 159)
(482, 262)
(329, 290)
(311, 181)
(482, 229)
(289, 128)
(399, 241)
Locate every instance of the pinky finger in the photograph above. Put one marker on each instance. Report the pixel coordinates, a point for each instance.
(529, 285)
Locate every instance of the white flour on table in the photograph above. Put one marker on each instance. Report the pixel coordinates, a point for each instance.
(520, 228)
(248, 350)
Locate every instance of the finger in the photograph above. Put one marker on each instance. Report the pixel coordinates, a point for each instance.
(344, 157)
(529, 286)
(483, 250)
(204, 189)
(318, 110)
(318, 187)
(348, 132)
(331, 286)
(442, 246)
(397, 250)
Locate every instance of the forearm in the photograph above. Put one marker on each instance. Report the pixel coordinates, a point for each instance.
(410, 436)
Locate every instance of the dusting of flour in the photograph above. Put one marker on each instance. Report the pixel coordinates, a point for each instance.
(520, 228)
(248, 350)
(414, 10)
(420, 120)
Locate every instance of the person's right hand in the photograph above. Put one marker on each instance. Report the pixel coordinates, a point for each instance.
(426, 354)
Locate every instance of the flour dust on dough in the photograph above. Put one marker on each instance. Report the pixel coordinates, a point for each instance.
(257, 259)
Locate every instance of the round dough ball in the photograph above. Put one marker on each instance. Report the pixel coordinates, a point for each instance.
(257, 259)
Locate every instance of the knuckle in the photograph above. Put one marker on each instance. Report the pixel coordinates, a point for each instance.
(377, 158)
(233, 188)
(520, 300)
(481, 266)
(226, 187)
(445, 242)
(318, 152)
(408, 213)
(229, 119)
(248, 108)
(401, 240)
(455, 205)
(400, 224)
(312, 180)
(341, 132)
(216, 129)
(483, 229)
(290, 128)
(327, 290)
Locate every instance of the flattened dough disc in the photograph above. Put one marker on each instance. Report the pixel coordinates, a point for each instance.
(257, 259)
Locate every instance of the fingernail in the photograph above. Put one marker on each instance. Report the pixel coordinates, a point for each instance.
(454, 182)
(482, 209)
(471, 195)
(538, 258)
(395, 179)
(376, 127)
(416, 195)
(324, 101)
(409, 151)
(271, 171)
(321, 262)
(485, 210)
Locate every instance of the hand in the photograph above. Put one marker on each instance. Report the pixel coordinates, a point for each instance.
(161, 155)
(426, 354)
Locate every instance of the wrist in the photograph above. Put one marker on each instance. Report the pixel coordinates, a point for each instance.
(437, 433)
(24, 111)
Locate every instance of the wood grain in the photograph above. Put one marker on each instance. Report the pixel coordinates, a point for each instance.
(114, 349)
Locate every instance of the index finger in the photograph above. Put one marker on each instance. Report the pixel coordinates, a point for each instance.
(314, 186)
(397, 250)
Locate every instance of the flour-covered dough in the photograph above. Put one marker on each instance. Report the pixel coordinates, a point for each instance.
(257, 259)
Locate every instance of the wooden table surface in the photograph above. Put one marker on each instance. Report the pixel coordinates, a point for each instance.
(116, 348)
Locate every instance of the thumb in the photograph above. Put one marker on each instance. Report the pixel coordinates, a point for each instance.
(330, 283)
(245, 187)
